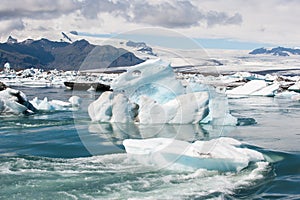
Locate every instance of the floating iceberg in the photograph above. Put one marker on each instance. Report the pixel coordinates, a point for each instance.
(56, 105)
(14, 102)
(255, 88)
(248, 88)
(295, 87)
(221, 154)
(149, 93)
(153, 78)
(296, 97)
(268, 91)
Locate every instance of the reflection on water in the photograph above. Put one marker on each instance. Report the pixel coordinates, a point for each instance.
(103, 138)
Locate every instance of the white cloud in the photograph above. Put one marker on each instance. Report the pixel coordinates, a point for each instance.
(269, 21)
(13, 24)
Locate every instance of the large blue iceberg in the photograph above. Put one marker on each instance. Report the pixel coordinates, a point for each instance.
(150, 93)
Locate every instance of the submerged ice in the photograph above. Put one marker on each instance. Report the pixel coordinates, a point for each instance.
(150, 93)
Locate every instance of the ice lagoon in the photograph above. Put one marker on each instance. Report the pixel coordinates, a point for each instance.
(62, 153)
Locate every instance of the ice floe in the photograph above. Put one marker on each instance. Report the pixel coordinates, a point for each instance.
(221, 154)
(56, 105)
(255, 88)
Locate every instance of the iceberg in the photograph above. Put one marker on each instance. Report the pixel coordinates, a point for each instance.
(296, 97)
(255, 88)
(268, 91)
(14, 102)
(221, 154)
(248, 88)
(153, 78)
(185, 109)
(295, 87)
(150, 93)
(56, 105)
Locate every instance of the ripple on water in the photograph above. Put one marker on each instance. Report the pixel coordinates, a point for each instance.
(116, 176)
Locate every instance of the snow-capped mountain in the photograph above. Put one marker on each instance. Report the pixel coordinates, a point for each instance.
(63, 55)
(278, 51)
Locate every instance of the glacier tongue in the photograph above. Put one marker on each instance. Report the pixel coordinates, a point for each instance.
(221, 154)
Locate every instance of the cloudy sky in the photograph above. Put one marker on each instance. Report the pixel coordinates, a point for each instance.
(223, 22)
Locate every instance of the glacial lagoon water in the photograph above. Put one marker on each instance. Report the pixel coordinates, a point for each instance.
(62, 155)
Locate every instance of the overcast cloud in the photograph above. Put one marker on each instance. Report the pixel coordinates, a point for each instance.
(165, 14)
(254, 20)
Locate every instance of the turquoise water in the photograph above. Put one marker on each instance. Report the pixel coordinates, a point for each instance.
(62, 155)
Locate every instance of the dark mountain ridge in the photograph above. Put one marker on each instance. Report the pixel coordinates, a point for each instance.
(47, 54)
(277, 51)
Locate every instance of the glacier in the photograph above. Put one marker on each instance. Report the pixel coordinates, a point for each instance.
(221, 154)
(150, 93)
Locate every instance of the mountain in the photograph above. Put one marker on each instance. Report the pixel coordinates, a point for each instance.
(77, 55)
(141, 46)
(278, 51)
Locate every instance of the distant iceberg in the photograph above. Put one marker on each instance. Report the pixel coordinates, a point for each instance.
(221, 154)
(149, 93)
(255, 88)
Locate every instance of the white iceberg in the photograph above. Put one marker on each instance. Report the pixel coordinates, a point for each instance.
(248, 76)
(295, 87)
(255, 88)
(221, 154)
(112, 108)
(248, 88)
(153, 78)
(149, 93)
(184, 109)
(14, 102)
(296, 97)
(268, 91)
(56, 105)
(286, 94)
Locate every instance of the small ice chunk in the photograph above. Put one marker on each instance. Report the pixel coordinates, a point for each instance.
(295, 87)
(55, 105)
(296, 97)
(75, 100)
